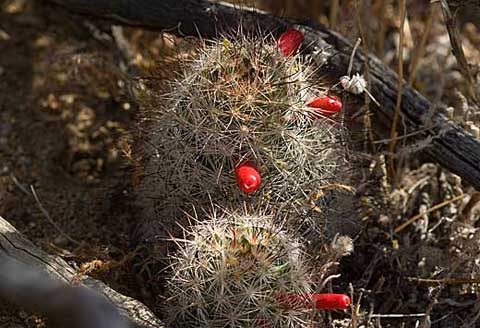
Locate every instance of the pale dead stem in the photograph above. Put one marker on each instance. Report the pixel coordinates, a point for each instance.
(333, 16)
(383, 30)
(457, 49)
(393, 132)
(430, 210)
(445, 281)
(49, 218)
(368, 138)
(412, 68)
(42, 209)
(354, 306)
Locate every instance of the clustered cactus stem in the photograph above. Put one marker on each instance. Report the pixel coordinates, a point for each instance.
(246, 123)
(231, 270)
(244, 100)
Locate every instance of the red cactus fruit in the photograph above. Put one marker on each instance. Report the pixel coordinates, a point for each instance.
(248, 178)
(290, 41)
(317, 301)
(331, 301)
(327, 105)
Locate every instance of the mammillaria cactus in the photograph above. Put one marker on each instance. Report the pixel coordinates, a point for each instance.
(247, 124)
(231, 270)
(242, 100)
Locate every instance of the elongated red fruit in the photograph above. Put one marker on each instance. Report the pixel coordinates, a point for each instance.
(331, 301)
(290, 41)
(327, 105)
(248, 178)
(317, 301)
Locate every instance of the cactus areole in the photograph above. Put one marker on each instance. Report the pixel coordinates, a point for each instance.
(248, 178)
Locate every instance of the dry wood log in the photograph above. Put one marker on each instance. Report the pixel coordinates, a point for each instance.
(40, 282)
(446, 143)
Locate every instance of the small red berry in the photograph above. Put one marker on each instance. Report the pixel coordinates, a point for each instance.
(290, 41)
(327, 105)
(248, 178)
(331, 301)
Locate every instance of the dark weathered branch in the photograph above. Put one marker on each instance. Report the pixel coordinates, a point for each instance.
(39, 282)
(69, 306)
(450, 145)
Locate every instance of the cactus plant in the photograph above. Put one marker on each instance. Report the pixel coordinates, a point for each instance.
(240, 100)
(230, 270)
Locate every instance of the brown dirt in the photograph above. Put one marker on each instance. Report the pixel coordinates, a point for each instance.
(63, 133)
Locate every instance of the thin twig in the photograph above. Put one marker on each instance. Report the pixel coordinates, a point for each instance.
(434, 294)
(334, 6)
(472, 322)
(402, 137)
(383, 30)
(40, 206)
(19, 185)
(366, 116)
(395, 316)
(350, 63)
(457, 49)
(49, 218)
(393, 132)
(413, 67)
(353, 317)
(338, 186)
(430, 210)
(446, 281)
